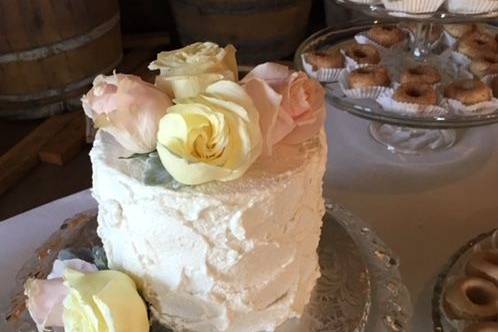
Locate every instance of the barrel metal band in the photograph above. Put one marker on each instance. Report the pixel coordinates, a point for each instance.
(56, 92)
(62, 46)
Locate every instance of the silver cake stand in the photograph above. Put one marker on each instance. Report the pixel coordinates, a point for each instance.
(360, 288)
(399, 132)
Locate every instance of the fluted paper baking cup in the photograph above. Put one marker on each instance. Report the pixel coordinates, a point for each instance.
(325, 75)
(413, 6)
(449, 40)
(389, 104)
(371, 92)
(461, 59)
(366, 2)
(488, 78)
(472, 6)
(481, 108)
(362, 38)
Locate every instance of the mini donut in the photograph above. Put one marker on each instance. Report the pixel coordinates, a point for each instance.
(421, 74)
(386, 36)
(468, 92)
(482, 327)
(494, 86)
(368, 76)
(485, 65)
(458, 30)
(476, 44)
(328, 60)
(471, 298)
(363, 54)
(484, 265)
(416, 93)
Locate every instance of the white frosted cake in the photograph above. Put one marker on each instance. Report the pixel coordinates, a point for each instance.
(234, 256)
(210, 201)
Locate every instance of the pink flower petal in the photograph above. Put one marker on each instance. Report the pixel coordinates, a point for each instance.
(267, 102)
(272, 73)
(45, 298)
(305, 131)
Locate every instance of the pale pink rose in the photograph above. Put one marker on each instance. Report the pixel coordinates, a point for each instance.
(127, 108)
(45, 297)
(290, 104)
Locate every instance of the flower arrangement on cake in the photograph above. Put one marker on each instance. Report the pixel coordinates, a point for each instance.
(210, 199)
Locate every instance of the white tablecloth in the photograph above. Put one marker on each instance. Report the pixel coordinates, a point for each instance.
(424, 207)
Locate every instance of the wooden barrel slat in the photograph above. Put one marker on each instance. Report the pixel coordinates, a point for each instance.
(262, 30)
(13, 27)
(52, 51)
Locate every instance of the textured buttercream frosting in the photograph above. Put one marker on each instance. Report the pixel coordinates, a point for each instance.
(223, 256)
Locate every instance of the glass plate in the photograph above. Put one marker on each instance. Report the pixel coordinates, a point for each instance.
(440, 16)
(456, 268)
(360, 287)
(370, 109)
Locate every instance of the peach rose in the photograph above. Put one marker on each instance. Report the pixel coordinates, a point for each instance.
(127, 108)
(291, 105)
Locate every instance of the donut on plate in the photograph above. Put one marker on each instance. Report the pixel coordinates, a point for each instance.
(416, 93)
(421, 74)
(482, 327)
(494, 86)
(458, 30)
(485, 65)
(471, 298)
(363, 54)
(368, 76)
(325, 59)
(386, 36)
(484, 265)
(468, 92)
(476, 44)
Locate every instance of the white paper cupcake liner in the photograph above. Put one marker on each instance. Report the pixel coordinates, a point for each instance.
(367, 2)
(371, 92)
(362, 38)
(449, 40)
(325, 75)
(413, 6)
(488, 78)
(461, 59)
(481, 108)
(472, 6)
(389, 104)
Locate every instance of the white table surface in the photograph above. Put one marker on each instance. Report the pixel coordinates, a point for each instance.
(423, 207)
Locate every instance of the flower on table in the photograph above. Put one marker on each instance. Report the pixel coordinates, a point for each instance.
(212, 136)
(127, 108)
(186, 72)
(290, 104)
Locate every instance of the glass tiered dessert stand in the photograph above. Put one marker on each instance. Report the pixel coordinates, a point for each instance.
(401, 132)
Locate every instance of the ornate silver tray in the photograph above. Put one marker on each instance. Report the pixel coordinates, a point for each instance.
(360, 288)
(456, 268)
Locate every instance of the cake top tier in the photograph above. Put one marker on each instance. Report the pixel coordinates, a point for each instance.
(205, 124)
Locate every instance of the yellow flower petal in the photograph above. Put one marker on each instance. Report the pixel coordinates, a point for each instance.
(215, 136)
(104, 301)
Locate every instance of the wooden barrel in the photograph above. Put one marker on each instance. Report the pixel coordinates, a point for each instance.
(50, 51)
(145, 16)
(260, 29)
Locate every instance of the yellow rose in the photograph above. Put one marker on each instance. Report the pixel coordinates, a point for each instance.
(104, 301)
(186, 72)
(213, 136)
